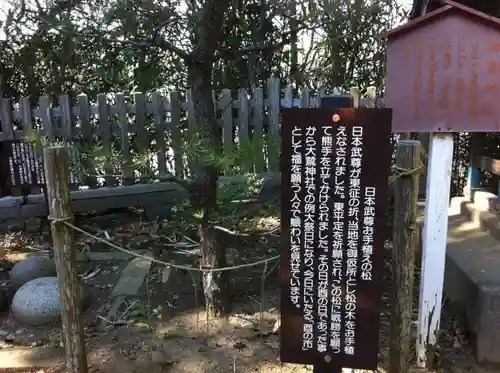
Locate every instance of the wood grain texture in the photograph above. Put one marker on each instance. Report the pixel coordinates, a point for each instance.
(57, 176)
(403, 255)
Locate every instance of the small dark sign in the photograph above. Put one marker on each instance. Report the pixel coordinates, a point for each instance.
(335, 170)
(22, 168)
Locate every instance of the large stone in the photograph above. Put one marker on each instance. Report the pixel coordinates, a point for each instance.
(31, 268)
(472, 278)
(38, 302)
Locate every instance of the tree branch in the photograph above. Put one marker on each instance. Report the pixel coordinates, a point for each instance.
(286, 38)
(155, 42)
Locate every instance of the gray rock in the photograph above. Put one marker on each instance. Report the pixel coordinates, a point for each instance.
(31, 268)
(38, 302)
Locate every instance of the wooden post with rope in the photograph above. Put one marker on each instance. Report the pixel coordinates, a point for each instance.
(403, 253)
(56, 165)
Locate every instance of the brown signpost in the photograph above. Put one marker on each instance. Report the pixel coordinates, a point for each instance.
(335, 169)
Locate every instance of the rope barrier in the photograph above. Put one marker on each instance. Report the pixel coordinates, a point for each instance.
(399, 173)
(66, 221)
(403, 172)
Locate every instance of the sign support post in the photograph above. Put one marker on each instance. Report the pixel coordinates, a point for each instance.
(434, 244)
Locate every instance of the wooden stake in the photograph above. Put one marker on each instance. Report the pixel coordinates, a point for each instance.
(434, 246)
(403, 254)
(56, 162)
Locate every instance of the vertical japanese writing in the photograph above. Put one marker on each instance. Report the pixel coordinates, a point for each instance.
(417, 82)
(431, 84)
(460, 52)
(447, 55)
(445, 95)
(493, 67)
(459, 91)
(333, 180)
(295, 215)
(492, 87)
(338, 238)
(353, 238)
(473, 84)
(309, 236)
(12, 169)
(490, 108)
(323, 238)
(494, 47)
(368, 233)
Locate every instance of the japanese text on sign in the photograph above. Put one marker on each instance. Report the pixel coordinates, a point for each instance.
(331, 218)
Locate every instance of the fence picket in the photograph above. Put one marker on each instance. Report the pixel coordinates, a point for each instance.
(175, 122)
(26, 115)
(66, 121)
(140, 122)
(160, 128)
(227, 122)
(5, 116)
(123, 123)
(288, 101)
(243, 125)
(46, 116)
(258, 119)
(354, 92)
(273, 122)
(304, 97)
(243, 115)
(317, 100)
(105, 135)
(87, 141)
(258, 129)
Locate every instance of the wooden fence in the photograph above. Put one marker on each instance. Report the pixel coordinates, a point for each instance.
(157, 121)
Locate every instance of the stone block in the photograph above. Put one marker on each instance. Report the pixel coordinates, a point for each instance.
(31, 268)
(472, 279)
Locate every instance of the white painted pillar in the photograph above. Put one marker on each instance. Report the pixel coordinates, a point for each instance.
(434, 242)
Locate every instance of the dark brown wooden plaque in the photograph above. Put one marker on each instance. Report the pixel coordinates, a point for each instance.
(335, 170)
(26, 166)
(22, 168)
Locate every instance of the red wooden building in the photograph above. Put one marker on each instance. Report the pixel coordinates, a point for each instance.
(443, 72)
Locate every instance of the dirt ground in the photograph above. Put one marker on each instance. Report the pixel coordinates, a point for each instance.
(164, 328)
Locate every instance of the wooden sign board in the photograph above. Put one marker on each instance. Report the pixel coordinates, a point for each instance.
(23, 169)
(443, 72)
(335, 169)
(22, 166)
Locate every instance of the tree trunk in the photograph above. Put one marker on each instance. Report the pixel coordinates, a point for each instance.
(213, 254)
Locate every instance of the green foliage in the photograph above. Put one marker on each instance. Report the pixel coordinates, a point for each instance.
(238, 159)
(229, 199)
(105, 45)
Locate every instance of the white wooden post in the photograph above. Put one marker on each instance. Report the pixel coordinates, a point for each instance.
(434, 243)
